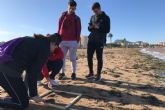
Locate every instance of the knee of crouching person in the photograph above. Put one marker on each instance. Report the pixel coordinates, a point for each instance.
(25, 105)
(61, 63)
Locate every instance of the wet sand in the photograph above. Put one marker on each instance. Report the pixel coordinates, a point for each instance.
(130, 81)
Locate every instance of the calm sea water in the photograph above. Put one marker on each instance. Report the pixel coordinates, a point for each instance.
(155, 52)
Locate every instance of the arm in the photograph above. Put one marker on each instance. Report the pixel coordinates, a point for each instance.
(59, 24)
(108, 24)
(90, 25)
(45, 71)
(35, 70)
(104, 27)
(78, 29)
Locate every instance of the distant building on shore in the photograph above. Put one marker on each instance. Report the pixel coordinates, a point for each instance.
(83, 42)
(141, 44)
(161, 44)
(128, 44)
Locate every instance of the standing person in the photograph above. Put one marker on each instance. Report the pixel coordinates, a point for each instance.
(53, 65)
(21, 54)
(99, 26)
(69, 29)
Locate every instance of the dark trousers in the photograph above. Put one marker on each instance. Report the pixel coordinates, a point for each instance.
(92, 47)
(16, 89)
(54, 67)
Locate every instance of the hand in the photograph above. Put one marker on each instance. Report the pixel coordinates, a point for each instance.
(96, 27)
(91, 27)
(37, 99)
(47, 79)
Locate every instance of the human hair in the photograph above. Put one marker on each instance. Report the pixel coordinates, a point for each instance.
(51, 37)
(72, 3)
(55, 38)
(96, 5)
(38, 36)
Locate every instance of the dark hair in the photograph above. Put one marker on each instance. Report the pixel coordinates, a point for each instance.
(72, 3)
(96, 5)
(55, 38)
(51, 37)
(38, 36)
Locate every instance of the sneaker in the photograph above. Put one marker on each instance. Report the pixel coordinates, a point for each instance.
(90, 76)
(39, 83)
(62, 76)
(73, 76)
(52, 83)
(98, 78)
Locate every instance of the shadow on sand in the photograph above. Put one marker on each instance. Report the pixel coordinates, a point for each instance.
(126, 85)
(123, 98)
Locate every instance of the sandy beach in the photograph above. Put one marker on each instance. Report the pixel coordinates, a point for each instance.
(130, 81)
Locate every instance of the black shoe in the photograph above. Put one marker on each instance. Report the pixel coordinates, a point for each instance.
(98, 78)
(62, 76)
(73, 76)
(90, 76)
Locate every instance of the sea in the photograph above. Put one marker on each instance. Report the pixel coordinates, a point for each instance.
(157, 53)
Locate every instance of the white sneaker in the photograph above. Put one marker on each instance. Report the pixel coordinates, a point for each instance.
(52, 83)
(39, 83)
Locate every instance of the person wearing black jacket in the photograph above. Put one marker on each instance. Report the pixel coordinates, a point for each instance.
(21, 54)
(99, 26)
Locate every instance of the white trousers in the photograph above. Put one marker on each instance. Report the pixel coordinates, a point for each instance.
(70, 46)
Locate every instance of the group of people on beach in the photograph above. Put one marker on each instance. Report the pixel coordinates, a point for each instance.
(47, 54)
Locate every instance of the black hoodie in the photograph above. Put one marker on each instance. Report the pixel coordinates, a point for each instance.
(30, 54)
(103, 22)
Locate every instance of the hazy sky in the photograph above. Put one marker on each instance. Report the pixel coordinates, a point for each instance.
(133, 19)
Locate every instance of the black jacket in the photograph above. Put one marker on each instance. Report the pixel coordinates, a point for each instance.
(103, 22)
(30, 54)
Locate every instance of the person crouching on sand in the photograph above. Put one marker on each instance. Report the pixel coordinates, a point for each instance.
(54, 64)
(21, 54)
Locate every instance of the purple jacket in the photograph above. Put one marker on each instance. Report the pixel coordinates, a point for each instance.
(7, 49)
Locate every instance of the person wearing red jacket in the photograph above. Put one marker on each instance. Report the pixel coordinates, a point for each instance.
(53, 65)
(69, 29)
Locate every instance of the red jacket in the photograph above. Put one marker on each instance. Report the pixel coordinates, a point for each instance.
(56, 55)
(69, 27)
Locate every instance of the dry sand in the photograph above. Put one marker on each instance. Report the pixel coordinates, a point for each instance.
(130, 82)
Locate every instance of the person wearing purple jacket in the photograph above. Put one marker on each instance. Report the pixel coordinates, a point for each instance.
(21, 54)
